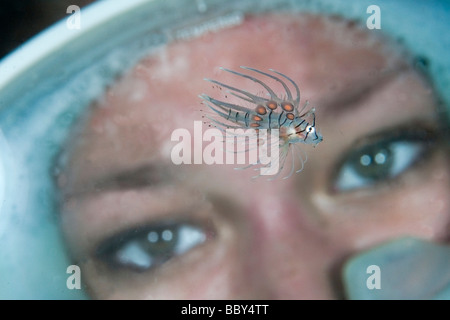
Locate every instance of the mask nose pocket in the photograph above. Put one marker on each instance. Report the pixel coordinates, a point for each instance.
(405, 269)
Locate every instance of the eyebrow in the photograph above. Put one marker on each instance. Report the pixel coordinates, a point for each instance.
(145, 176)
(345, 103)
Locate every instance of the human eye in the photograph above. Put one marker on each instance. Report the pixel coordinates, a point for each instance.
(149, 247)
(382, 158)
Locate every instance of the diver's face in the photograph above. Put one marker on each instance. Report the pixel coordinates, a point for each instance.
(142, 227)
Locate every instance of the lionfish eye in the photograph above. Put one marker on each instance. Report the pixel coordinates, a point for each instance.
(309, 129)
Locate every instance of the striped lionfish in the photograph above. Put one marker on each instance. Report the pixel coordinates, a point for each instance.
(272, 112)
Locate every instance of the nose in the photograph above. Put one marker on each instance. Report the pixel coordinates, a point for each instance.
(289, 253)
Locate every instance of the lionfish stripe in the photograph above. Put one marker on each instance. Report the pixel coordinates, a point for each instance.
(298, 125)
(279, 118)
(270, 118)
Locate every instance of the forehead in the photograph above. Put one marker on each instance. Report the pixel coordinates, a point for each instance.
(325, 56)
(320, 54)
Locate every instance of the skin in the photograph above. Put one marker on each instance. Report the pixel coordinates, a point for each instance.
(264, 239)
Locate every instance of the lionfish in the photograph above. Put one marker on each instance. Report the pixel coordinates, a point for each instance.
(271, 112)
